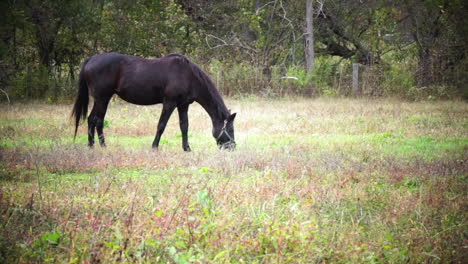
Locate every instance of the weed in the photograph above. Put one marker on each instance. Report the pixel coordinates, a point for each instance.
(341, 181)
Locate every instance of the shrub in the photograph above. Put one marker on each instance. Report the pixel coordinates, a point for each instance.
(31, 83)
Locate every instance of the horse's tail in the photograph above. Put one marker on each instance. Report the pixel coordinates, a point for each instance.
(80, 109)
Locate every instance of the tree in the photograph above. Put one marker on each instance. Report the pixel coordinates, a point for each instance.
(343, 28)
(438, 28)
(43, 42)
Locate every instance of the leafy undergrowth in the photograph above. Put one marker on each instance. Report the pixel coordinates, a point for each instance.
(311, 181)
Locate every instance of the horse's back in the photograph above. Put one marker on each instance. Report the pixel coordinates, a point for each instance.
(139, 80)
(104, 72)
(100, 72)
(102, 60)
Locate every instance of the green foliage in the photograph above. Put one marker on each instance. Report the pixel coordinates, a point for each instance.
(152, 28)
(398, 79)
(302, 78)
(433, 92)
(47, 240)
(415, 51)
(32, 83)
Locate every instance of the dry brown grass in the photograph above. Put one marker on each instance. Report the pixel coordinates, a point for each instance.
(311, 181)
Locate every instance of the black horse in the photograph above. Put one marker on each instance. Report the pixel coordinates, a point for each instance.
(172, 80)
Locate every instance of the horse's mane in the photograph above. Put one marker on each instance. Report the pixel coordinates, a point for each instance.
(204, 80)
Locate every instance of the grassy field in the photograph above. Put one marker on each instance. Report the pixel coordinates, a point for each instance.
(311, 181)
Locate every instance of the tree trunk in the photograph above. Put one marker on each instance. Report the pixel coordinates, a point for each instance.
(309, 34)
(424, 76)
(46, 31)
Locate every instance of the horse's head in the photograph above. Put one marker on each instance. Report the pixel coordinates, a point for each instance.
(223, 132)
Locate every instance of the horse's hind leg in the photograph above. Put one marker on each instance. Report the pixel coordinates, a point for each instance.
(96, 121)
(183, 122)
(91, 127)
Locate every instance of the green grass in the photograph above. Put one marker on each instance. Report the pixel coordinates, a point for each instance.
(311, 181)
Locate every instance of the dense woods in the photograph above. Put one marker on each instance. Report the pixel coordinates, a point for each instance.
(414, 49)
(351, 132)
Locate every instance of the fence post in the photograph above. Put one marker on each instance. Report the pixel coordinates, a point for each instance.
(339, 80)
(355, 90)
(218, 79)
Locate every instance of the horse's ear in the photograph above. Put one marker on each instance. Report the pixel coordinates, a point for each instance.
(231, 117)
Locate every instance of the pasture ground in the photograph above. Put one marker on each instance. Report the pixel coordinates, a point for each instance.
(311, 181)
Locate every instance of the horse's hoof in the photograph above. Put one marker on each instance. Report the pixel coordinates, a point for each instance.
(187, 149)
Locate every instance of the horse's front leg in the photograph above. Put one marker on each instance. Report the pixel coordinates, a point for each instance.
(183, 122)
(168, 108)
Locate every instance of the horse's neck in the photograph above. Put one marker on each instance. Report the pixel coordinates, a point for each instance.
(215, 109)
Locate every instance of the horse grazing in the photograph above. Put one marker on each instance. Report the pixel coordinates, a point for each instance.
(172, 80)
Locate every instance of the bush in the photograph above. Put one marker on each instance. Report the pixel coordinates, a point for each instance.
(331, 77)
(237, 79)
(30, 83)
(433, 92)
(38, 83)
(398, 79)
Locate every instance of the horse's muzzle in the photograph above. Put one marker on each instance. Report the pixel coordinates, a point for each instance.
(230, 145)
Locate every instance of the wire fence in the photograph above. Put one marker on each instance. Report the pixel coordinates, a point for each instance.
(339, 79)
(335, 81)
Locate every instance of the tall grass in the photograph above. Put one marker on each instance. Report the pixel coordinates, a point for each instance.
(331, 77)
(311, 181)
